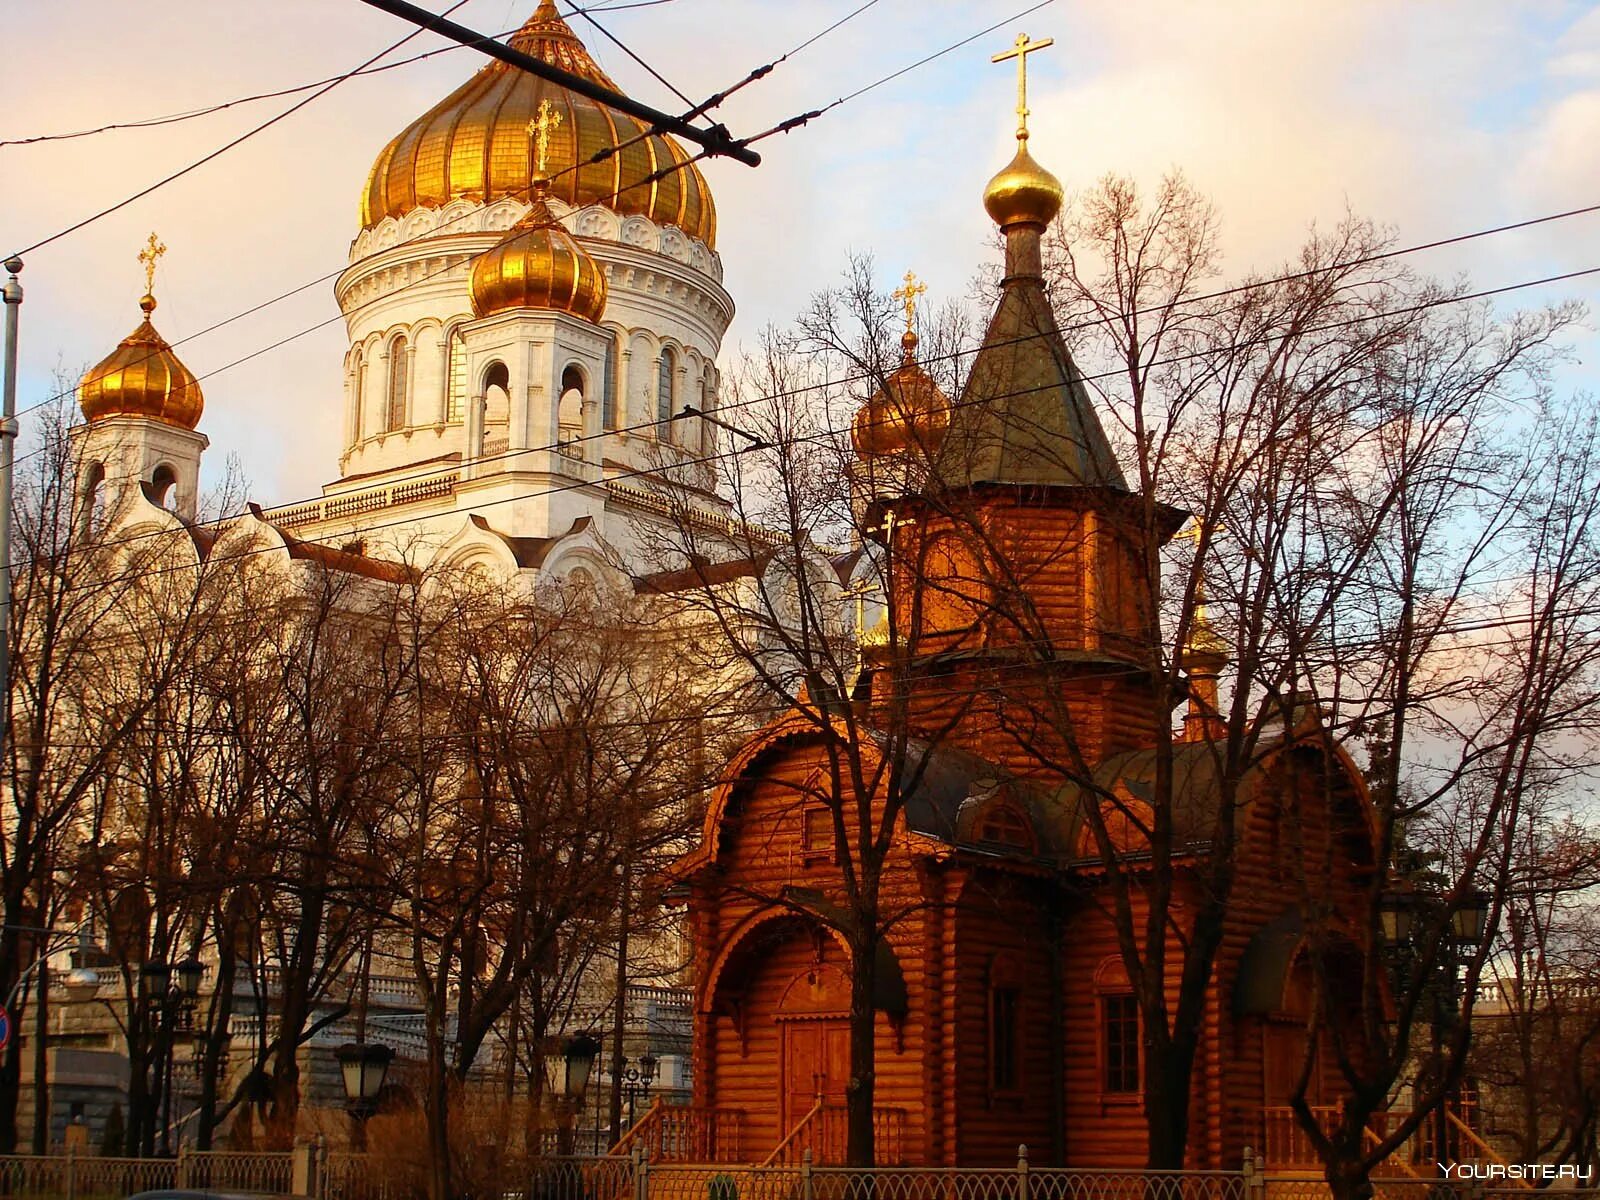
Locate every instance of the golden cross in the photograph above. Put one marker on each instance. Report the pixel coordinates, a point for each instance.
(907, 295)
(540, 129)
(1020, 51)
(149, 256)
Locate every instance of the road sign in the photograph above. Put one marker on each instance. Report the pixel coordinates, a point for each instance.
(5, 1028)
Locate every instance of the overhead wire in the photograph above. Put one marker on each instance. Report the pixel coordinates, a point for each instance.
(599, 156)
(656, 471)
(223, 149)
(208, 110)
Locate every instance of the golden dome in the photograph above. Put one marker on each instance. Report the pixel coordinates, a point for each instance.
(909, 410)
(1023, 193)
(542, 266)
(474, 144)
(142, 377)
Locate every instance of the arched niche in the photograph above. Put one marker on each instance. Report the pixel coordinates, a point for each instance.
(497, 395)
(574, 388)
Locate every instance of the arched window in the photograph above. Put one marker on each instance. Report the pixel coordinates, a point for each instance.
(1119, 1030)
(360, 386)
(608, 386)
(705, 407)
(92, 503)
(162, 484)
(666, 399)
(397, 384)
(571, 410)
(455, 404)
(497, 395)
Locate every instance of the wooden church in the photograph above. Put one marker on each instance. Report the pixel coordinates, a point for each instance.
(1004, 1009)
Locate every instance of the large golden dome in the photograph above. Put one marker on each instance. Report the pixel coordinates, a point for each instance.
(1023, 192)
(909, 410)
(540, 265)
(142, 377)
(474, 144)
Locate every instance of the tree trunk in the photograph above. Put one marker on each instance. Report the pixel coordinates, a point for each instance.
(436, 1111)
(619, 1016)
(11, 1057)
(1166, 1109)
(41, 1060)
(861, 1088)
(216, 1041)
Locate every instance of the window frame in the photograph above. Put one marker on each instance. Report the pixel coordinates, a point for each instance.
(1003, 1028)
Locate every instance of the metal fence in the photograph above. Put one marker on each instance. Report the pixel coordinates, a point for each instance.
(312, 1172)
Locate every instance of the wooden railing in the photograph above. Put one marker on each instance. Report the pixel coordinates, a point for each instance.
(1287, 1145)
(685, 1133)
(825, 1131)
(793, 1145)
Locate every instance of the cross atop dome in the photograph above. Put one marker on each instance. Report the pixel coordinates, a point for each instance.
(1020, 50)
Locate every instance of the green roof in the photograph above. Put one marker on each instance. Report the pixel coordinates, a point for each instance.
(1025, 416)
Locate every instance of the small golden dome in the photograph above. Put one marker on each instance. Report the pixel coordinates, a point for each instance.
(474, 145)
(909, 410)
(142, 377)
(1023, 193)
(541, 266)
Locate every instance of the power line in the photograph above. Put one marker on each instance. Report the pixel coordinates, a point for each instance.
(193, 114)
(600, 155)
(609, 36)
(795, 122)
(828, 432)
(221, 150)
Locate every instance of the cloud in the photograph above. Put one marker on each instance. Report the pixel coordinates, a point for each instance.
(1435, 118)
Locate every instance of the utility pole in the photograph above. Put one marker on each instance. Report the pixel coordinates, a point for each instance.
(8, 441)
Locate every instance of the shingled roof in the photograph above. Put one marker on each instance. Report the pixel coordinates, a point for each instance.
(1024, 416)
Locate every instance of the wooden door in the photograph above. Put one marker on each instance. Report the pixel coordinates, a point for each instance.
(816, 1062)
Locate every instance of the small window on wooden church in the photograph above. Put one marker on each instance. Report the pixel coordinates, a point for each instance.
(1005, 826)
(816, 832)
(1003, 1005)
(1005, 1024)
(1119, 1023)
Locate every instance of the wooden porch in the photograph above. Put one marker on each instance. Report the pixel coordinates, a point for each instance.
(1286, 1148)
(669, 1133)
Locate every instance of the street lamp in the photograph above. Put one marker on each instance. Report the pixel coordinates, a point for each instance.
(171, 991)
(1396, 909)
(364, 1067)
(567, 1070)
(637, 1078)
(1468, 918)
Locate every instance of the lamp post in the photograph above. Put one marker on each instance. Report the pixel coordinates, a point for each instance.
(637, 1079)
(171, 991)
(1459, 925)
(567, 1070)
(364, 1066)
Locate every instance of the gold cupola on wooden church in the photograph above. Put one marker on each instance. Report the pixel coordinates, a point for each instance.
(909, 410)
(143, 377)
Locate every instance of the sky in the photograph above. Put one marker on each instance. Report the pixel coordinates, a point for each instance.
(1432, 118)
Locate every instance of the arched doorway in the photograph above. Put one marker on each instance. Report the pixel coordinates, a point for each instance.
(814, 1035)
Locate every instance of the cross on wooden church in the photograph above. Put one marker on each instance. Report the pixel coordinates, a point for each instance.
(540, 129)
(907, 295)
(1020, 51)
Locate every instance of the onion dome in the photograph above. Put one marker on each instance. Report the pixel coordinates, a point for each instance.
(539, 265)
(909, 410)
(474, 145)
(1023, 193)
(142, 377)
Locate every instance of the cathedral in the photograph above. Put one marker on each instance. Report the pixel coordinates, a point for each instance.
(533, 335)
(532, 332)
